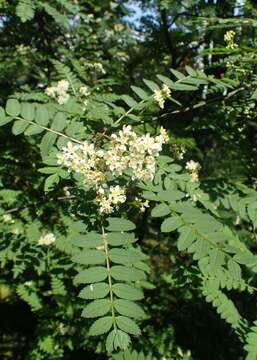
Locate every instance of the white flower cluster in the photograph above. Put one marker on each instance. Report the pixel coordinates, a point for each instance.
(7, 218)
(126, 153)
(83, 159)
(143, 204)
(135, 153)
(66, 330)
(22, 49)
(59, 92)
(229, 38)
(115, 197)
(193, 168)
(98, 67)
(178, 151)
(46, 239)
(161, 95)
(84, 93)
(181, 153)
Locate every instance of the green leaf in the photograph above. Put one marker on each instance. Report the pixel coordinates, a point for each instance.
(25, 10)
(234, 269)
(160, 210)
(33, 130)
(92, 275)
(141, 265)
(165, 80)
(90, 240)
(109, 344)
(51, 181)
(177, 74)
(3, 119)
(47, 143)
(59, 18)
(117, 339)
(140, 93)
(200, 249)
(101, 326)
(42, 115)
(124, 273)
(128, 292)
(59, 122)
(151, 84)
(171, 224)
(216, 259)
(13, 107)
(183, 87)
(191, 71)
(129, 101)
(120, 224)
(96, 308)
(129, 308)
(89, 257)
(19, 126)
(245, 258)
(127, 325)
(117, 239)
(122, 256)
(186, 238)
(94, 291)
(149, 195)
(28, 111)
(48, 170)
(170, 195)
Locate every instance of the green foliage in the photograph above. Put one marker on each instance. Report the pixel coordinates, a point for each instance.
(113, 302)
(184, 243)
(251, 340)
(131, 356)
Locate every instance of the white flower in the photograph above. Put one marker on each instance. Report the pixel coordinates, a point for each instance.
(7, 218)
(181, 153)
(50, 91)
(62, 86)
(159, 98)
(229, 35)
(166, 91)
(59, 92)
(161, 95)
(84, 91)
(193, 168)
(99, 68)
(192, 165)
(125, 154)
(63, 98)
(66, 330)
(47, 239)
(143, 204)
(229, 38)
(116, 195)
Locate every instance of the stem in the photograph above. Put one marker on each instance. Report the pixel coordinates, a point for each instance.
(128, 112)
(51, 130)
(204, 103)
(106, 251)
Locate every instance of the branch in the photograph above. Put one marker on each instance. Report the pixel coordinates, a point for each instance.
(166, 33)
(205, 103)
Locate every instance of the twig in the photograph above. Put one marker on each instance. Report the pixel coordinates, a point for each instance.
(205, 103)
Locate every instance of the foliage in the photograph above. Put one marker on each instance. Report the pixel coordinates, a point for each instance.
(176, 254)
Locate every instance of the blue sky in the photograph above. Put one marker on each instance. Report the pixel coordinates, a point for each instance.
(138, 12)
